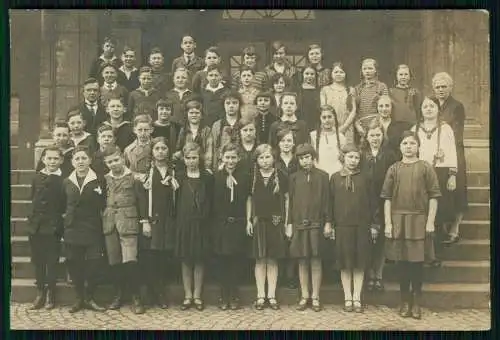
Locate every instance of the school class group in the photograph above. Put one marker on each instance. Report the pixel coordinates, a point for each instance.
(288, 166)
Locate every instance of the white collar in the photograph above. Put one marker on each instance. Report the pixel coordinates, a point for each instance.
(124, 70)
(77, 140)
(292, 119)
(181, 91)
(214, 89)
(112, 86)
(116, 127)
(91, 176)
(126, 172)
(87, 103)
(191, 56)
(105, 59)
(146, 92)
(44, 171)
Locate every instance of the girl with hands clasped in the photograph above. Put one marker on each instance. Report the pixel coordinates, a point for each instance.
(410, 190)
(270, 216)
(352, 217)
(309, 218)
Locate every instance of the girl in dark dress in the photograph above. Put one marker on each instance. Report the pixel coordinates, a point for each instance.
(309, 98)
(288, 119)
(232, 214)
(266, 115)
(315, 59)
(407, 99)
(452, 112)
(309, 220)
(193, 209)
(376, 158)
(288, 164)
(411, 192)
(352, 216)
(247, 143)
(270, 216)
(157, 245)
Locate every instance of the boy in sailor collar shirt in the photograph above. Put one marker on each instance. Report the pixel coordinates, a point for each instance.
(128, 74)
(126, 206)
(143, 99)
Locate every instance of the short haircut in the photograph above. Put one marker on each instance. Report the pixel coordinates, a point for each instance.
(214, 67)
(181, 69)
(157, 140)
(232, 94)
(187, 36)
(407, 134)
(305, 149)
(81, 148)
(74, 113)
(164, 103)
(282, 133)
(265, 94)
(90, 81)
(155, 50)
(277, 76)
(104, 128)
(228, 147)
(110, 40)
(143, 119)
(246, 68)
(193, 102)
(111, 150)
(191, 147)
(212, 49)
(244, 122)
(113, 97)
(277, 45)
(444, 76)
(106, 65)
(249, 50)
(145, 69)
(128, 49)
(51, 147)
(60, 124)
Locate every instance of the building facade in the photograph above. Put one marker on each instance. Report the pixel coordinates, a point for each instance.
(52, 50)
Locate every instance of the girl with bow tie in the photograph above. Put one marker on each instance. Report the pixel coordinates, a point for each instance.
(158, 242)
(232, 214)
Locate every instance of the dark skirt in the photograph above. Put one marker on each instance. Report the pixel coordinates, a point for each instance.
(461, 201)
(229, 236)
(269, 240)
(163, 236)
(192, 240)
(409, 240)
(352, 247)
(306, 243)
(446, 203)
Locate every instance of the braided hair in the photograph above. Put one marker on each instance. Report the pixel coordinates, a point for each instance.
(327, 108)
(259, 151)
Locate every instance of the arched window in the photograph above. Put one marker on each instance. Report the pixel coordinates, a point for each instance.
(268, 14)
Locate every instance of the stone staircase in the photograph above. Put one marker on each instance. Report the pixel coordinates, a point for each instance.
(462, 282)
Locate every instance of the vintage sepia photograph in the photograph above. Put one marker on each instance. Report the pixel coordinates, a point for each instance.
(250, 169)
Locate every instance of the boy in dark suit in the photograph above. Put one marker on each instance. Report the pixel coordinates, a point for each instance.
(107, 57)
(105, 138)
(126, 206)
(46, 225)
(161, 78)
(188, 60)
(61, 138)
(128, 74)
(143, 99)
(83, 239)
(111, 88)
(92, 110)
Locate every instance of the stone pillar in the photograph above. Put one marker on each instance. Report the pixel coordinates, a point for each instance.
(25, 70)
(457, 42)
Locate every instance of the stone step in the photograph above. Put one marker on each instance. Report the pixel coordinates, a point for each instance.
(478, 211)
(463, 250)
(435, 295)
(21, 176)
(451, 271)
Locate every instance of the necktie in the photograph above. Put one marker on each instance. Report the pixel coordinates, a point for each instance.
(93, 109)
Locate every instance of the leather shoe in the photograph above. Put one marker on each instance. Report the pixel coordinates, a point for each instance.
(39, 301)
(405, 310)
(51, 299)
(92, 305)
(77, 306)
(137, 306)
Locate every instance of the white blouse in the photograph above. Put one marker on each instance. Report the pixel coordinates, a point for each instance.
(429, 146)
(328, 151)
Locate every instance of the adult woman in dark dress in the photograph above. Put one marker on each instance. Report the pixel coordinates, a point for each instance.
(452, 112)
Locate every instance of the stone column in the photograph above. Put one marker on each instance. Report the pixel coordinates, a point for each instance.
(25, 70)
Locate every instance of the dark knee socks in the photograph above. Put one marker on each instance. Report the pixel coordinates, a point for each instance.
(416, 275)
(404, 278)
